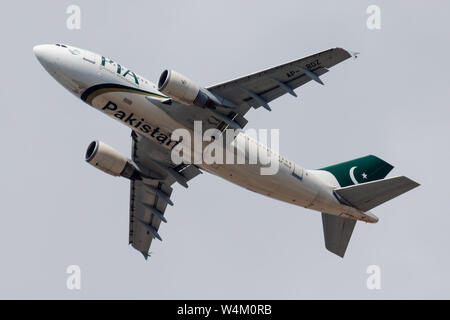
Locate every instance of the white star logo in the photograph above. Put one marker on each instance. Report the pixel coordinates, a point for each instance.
(364, 175)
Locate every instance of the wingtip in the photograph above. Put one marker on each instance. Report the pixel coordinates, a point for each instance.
(353, 54)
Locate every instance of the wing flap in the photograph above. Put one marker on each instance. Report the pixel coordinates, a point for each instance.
(146, 208)
(275, 91)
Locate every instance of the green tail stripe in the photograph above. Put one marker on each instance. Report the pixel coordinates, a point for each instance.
(360, 170)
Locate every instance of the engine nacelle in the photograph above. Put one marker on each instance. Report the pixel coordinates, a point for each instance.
(184, 90)
(109, 160)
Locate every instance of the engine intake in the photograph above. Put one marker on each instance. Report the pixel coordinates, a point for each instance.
(181, 89)
(109, 160)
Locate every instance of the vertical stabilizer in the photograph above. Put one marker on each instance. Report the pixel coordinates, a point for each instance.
(360, 170)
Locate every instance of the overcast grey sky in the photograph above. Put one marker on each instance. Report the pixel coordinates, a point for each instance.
(223, 241)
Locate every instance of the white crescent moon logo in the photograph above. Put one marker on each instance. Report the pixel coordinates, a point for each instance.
(352, 175)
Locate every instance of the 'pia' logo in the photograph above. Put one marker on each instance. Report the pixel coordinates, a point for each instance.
(119, 69)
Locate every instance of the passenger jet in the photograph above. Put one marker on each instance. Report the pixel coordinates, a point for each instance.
(344, 193)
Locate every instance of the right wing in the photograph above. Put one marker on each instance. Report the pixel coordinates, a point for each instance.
(150, 196)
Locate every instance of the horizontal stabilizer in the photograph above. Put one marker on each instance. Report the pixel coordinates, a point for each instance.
(337, 232)
(366, 196)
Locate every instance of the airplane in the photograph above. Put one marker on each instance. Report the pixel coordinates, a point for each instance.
(344, 193)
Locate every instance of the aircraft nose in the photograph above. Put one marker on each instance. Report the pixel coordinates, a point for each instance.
(43, 54)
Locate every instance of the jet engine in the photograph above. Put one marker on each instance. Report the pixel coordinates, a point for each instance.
(109, 160)
(184, 90)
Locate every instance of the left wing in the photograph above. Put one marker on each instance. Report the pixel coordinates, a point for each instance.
(150, 196)
(260, 88)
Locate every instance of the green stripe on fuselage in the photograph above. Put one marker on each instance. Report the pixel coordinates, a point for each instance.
(94, 91)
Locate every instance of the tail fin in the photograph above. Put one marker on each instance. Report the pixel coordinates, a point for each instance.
(365, 196)
(360, 170)
(362, 185)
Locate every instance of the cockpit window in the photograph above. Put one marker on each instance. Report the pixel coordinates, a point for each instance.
(61, 45)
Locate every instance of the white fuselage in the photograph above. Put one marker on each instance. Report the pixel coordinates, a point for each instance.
(124, 96)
